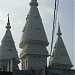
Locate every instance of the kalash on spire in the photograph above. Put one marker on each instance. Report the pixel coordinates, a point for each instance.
(59, 31)
(33, 3)
(8, 23)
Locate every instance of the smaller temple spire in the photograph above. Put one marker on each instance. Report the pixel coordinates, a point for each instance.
(8, 23)
(59, 31)
(60, 58)
(33, 3)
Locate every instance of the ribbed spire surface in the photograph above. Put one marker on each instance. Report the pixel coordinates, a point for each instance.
(34, 30)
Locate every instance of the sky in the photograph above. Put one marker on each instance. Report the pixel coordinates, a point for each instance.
(18, 11)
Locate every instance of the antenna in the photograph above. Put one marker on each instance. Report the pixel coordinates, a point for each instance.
(54, 24)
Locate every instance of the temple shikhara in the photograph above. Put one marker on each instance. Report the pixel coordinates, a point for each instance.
(33, 43)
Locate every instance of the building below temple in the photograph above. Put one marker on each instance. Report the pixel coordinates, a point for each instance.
(34, 52)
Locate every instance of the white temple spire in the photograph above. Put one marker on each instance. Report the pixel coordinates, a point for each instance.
(8, 49)
(34, 41)
(60, 57)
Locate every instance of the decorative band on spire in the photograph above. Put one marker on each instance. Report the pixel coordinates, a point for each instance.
(33, 3)
(8, 23)
(59, 31)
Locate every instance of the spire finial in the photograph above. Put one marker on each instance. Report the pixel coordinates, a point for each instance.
(33, 3)
(8, 18)
(8, 23)
(59, 31)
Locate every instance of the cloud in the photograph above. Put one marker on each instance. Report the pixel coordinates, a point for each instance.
(46, 11)
(49, 10)
(2, 15)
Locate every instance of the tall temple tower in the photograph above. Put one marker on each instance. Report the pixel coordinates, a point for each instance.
(34, 41)
(8, 50)
(60, 58)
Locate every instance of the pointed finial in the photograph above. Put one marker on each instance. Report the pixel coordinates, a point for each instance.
(8, 23)
(33, 3)
(8, 18)
(59, 31)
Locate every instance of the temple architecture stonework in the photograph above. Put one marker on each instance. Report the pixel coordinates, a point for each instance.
(34, 52)
(33, 41)
(8, 50)
(60, 57)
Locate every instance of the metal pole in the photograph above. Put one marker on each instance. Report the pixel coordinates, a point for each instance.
(54, 24)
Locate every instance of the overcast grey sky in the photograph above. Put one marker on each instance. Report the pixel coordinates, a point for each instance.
(18, 10)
